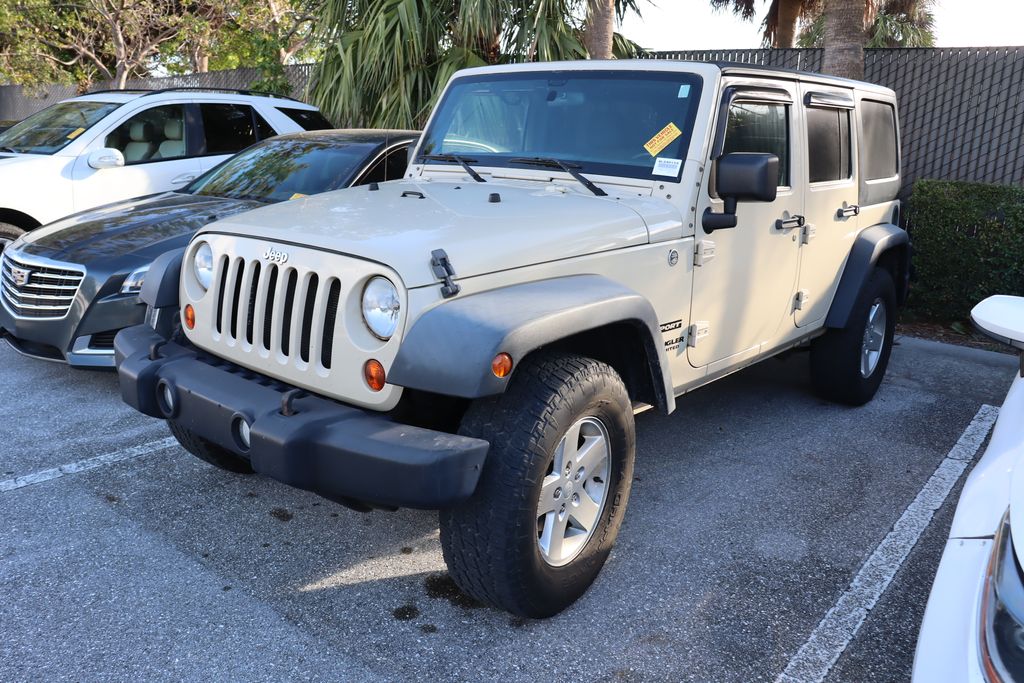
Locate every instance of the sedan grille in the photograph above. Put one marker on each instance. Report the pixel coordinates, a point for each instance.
(38, 290)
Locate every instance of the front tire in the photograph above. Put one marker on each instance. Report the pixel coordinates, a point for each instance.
(208, 451)
(9, 233)
(553, 490)
(848, 364)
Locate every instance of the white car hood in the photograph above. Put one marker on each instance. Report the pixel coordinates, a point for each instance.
(404, 221)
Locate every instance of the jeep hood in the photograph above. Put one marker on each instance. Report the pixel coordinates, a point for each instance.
(483, 227)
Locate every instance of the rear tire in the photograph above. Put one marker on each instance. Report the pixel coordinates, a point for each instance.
(553, 490)
(208, 451)
(848, 364)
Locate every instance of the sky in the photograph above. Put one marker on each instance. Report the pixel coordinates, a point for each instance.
(693, 25)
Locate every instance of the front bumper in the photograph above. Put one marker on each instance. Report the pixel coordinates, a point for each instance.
(343, 453)
(82, 337)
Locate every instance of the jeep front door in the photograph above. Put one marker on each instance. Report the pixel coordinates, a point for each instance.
(831, 201)
(745, 277)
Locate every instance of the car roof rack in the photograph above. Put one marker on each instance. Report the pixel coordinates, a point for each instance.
(198, 88)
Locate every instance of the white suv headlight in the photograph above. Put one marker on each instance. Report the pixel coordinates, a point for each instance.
(133, 283)
(202, 265)
(381, 307)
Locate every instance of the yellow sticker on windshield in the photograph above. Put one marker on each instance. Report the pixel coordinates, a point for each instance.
(75, 133)
(297, 195)
(662, 140)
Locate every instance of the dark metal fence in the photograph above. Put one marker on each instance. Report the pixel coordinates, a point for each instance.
(961, 109)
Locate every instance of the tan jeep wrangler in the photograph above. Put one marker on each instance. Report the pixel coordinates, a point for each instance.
(572, 243)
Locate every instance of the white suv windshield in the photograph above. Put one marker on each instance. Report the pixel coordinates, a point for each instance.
(621, 123)
(49, 130)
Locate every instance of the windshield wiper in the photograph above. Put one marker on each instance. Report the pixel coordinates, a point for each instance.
(460, 160)
(568, 168)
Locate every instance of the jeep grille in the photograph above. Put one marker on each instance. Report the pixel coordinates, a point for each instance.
(269, 306)
(36, 289)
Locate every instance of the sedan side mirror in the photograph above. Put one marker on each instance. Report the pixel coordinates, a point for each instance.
(108, 157)
(742, 177)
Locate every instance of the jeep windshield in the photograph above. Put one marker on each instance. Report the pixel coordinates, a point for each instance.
(284, 168)
(53, 128)
(635, 124)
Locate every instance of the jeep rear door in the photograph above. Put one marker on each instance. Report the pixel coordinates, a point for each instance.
(830, 204)
(744, 283)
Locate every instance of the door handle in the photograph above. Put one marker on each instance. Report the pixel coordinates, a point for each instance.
(789, 223)
(184, 178)
(847, 211)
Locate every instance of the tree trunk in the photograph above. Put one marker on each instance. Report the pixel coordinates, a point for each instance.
(597, 37)
(844, 38)
(121, 76)
(788, 15)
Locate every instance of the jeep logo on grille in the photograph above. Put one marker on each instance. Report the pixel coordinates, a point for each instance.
(275, 256)
(20, 276)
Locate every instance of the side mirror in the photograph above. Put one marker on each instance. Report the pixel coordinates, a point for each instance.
(108, 157)
(742, 177)
(1002, 318)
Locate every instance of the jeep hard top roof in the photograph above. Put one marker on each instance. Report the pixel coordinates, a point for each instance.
(702, 68)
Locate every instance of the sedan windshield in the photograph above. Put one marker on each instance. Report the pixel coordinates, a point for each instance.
(635, 124)
(51, 129)
(285, 168)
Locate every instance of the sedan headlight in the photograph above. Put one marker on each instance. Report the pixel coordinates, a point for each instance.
(1002, 612)
(381, 307)
(202, 265)
(133, 283)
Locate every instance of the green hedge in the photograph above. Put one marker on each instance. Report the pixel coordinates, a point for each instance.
(968, 244)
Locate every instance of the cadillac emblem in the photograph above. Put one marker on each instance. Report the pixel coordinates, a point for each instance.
(20, 276)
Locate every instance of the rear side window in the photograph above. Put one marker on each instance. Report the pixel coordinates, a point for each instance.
(880, 148)
(229, 127)
(309, 119)
(760, 127)
(263, 129)
(828, 144)
(390, 167)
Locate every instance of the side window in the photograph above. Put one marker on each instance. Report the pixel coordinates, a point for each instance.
(828, 144)
(263, 129)
(309, 119)
(229, 127)
(391, 167)
(396, 163)
(880, 147)
(155, 134)
(760, 127)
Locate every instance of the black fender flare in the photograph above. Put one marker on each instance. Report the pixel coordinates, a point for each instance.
(160, 288)
(448, 350)
(868, 248)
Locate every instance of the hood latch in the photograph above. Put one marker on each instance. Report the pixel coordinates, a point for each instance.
(444, 272)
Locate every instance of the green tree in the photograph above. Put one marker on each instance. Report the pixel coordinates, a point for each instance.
(88, 39)
(385, 60)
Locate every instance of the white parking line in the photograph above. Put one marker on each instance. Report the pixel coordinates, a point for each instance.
(829, 640)
(85, 464)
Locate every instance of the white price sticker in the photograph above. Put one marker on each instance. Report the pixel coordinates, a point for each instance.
(667, 167)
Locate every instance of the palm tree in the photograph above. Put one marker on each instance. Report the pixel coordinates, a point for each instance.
(889, 23)
(385, 60)
(844, 38)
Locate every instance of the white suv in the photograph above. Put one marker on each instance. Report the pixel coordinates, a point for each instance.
(109, 146)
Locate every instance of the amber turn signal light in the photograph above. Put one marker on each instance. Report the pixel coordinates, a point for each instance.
(190, 316)
(501, 366)
(373, 373)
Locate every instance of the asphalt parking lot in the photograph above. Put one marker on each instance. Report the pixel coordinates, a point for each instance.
(754, 507)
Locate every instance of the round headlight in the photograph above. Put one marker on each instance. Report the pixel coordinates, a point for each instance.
(381, 307)
(202, 265)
